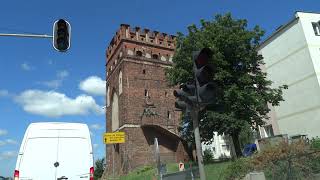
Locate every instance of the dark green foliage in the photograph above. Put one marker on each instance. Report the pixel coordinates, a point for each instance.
(246, 136)
(238, 169)
(207, 156)
(246, 91)
(98, 169)
(315, 143)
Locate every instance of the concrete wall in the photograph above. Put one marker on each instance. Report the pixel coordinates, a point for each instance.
(292, 58)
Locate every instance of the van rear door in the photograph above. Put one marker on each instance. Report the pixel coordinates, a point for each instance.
(74, 157)
(38, 158)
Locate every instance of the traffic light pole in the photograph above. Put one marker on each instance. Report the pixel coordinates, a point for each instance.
(27, 35)
(195, 115)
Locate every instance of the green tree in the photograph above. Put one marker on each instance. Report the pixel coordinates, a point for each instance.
(98, 169)
(246, 91)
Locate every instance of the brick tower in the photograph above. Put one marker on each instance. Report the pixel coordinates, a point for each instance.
(139, 100)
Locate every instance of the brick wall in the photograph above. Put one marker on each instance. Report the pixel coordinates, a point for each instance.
(140, 73)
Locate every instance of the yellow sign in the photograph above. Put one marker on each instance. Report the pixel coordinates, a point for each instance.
(114, 138)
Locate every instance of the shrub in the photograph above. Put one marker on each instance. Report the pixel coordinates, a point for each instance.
(238, 169)
(207, 156)
(296, 160)
(315, 143)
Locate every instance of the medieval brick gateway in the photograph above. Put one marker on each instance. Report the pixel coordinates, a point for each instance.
(139, 100)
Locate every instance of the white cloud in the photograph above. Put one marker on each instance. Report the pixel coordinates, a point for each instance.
(93, 85)
(53, 83)
(25, 66)
(11, 141)
(62, 74)
(56, 83)
(8, 141)
(4, 93)
(3, 132)
(96, 126)
(54, 104)
(8, 154)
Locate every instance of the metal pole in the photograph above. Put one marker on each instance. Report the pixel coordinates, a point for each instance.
(157, 153)
(113, 160)
(194, 114)
(27, 35)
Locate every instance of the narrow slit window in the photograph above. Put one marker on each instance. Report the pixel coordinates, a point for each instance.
(169, 115)
(316, 28)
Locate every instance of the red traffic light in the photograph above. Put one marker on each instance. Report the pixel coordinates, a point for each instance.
(202, 58)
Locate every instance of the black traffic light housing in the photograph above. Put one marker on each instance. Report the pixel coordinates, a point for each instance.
(186, 96)
(206, 88)
(61, 35)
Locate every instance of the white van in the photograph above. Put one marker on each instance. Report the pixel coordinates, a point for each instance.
(55, 151)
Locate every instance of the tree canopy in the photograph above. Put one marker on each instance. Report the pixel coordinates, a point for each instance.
(246, 91)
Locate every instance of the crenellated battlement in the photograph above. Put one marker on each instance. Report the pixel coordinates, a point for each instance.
(140, 35)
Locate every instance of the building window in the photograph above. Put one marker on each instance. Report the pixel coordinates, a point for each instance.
(108, 95)
(146, 93)
(225, 147)
(316, 28)
(213, 149)
(169, 115)
(139, 53)
(120, 82)
(155, 56)
(144, 71)
(269, 130)
(166, 94)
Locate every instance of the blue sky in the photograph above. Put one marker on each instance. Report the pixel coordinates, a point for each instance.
(39, 84)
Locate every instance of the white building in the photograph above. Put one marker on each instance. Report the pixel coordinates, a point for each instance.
(292, 57)
(220, 146)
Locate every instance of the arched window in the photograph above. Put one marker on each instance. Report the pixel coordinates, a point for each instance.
(169, 115)
(115, 112)
(108, 95)
(120, 82)
(146, 93)
(155, 56)
(139, 53)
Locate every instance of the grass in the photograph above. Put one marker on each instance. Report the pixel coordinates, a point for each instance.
(213, 171)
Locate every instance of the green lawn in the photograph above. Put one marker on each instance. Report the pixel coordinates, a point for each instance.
(213, 171)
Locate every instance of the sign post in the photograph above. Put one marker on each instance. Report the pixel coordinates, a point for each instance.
(114, 138)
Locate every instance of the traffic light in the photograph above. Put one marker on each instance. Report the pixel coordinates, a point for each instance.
(186, 96)
(61, 35)
(206, 88)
